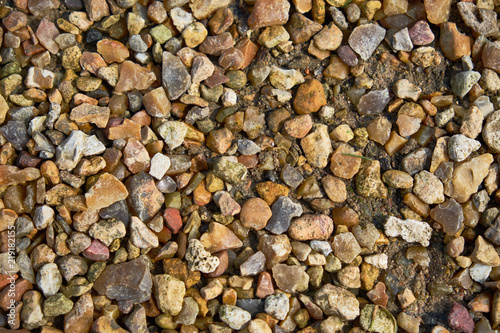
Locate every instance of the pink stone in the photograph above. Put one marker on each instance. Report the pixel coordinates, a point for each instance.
(269, 12)
(92, 61)
(460, 320)
(97, 251)
(421, 33)
(173, 219)
(135, 156)
(46, 34)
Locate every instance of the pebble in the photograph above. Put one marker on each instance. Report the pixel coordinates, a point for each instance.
(173, 133)
(408, 323)
(277, 306)
(283, 210)
(450, 215)
(378, 260)
(199, 259)
(485, 25)
(459, 319)
(347, 55)
(343, 165)
(310, 97)
(284, 79)
(368, 182)
(421, 33)
(43, 216)
(334, 188)
(373, 102)
(479, 273)
(298, 126)
(405, 89)
(145, 208)
(254, 265)
(337, 301)
(428, 188)
(290, 279)
(134, 77)
(411, 231)
(365, 38)
(141, 236)
(329, 38)
(460, 147)
(401, 41)
(105, 192)
(272, 36)
(310, 227)
(80, 318)
(301, 28)
(454, 44)
(484, 253)
(462, 82)
(490, 131)
(317, 146)
(233, 316)
(48, 279)
(346, 247)
(169, 293)
(159, 165)
(255, 213)
(219, 238)
(268, 13)
(175, 77)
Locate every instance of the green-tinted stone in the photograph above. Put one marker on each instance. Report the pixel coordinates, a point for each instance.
(173, 200)
(237, 79)
(160, 33)
(95, 270)
(57, 305)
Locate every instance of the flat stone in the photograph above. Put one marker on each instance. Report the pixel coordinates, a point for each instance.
(462, 82)
(219, 238)
(234, 316)
(169, 293)
(421, 33)
(88, 113)
(373, 102)
(134, 77)
(482, 21)
(337, 301)
(268, 12)
(346, 247)
(283, 210)
(105, 192)
(46, 34)
(317, 146)
(309, 227)
(290, 279)
(112, 50)
(80, 318)
(141, 236)
(310, 97)
(129, 281)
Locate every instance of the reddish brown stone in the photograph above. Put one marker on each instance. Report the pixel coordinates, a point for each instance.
(173, 219)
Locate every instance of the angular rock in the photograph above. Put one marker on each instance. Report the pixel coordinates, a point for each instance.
(268, 12)
(317, 146)
(337, 301)
(175, 77)
(145, 207)
(410, 230)
(365, 38)
(283, 210)
(105, 192)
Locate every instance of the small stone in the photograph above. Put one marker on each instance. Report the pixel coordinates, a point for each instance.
(459, 319)
(176, 79)
(194, 34)
(214, 45)
(273, 36)
(317, 146)
(454, 44)
(484, 253)
(80, 318)
(49, 279)
(57, 305)
(46, 34)
(169, 293)
(290, 279)
(337, 301)
(268, 13)
(365, 38)
(428, 188)
(277, 306)
(329, 38)
(309, 227)
(479, 272)
(255, 213)
(406, 298)
(140, 235)
(347, 55)
(43, 216)
(368, 182)
(145, 208)
(374, 102)
(229, 171)
(96, 9)
(309, 98)
(398, 179)
(405, 89)
(409, 323)
(301, 28)
(254, 265)
(462, 82)
(199, 259)
(401, 41)
(437, 11)
(39, 78)
(342, 164)
(112, 50)
(173, 133)
(219, 238)
(484, 25)
(159, 165)
(346, 247)
(421, 33)
(126, 281)
(460, 147)
(490, 131)
(349, 277)
(410, 230)
(106, 191)
(283, 210)
(157, 103)
(234, 316)
(134, 77)
(285, 79)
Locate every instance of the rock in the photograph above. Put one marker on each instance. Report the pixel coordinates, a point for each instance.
(274, 35)
(106, 191)
(159, 165)
(309, 227)
(141, 236)
(169, 293)
(173, 132)
(201, 69)
(334, 188)
(107, 230)
(365, 38)
(467, 176)
(450, 215)
(437, 11)
(87, 113)
(346, 247)
(428, 188)
(57, 305)
(401, 41)
(485, 24)
(194, 34)
(46, 34)
(490, 55)
(39, 78)
(479, 272)
(255, 213)
(220, 140)
(219, 238)
(337, 301)
(329, 38)
(277, 306)
(97, 251)
(248, 147)
(454, 44)
(284, 79)
(421, 33)
(344, 165)
(373, 102)
(283, 210)
(175, 77)
(405, 89)
(80, 318)
(43, 216)
(472, 123)
(254, 265)
(48, 279)
(301, 28)
(410, 230)
(368, 182)
(310, 97)
(228, 171)
(214, 45)
(234, 316)
(460, 147)
(491, 130)
(409, 323)
(462, 82)
(199, 259)
(134, 77)
(228, 206)
(290, 279)
(144, 207)
(398, 179)
(460, 320)
(157, 103)
(180, 18)
(268, 13)
(484, 253)
(317, 146)
(126, 281)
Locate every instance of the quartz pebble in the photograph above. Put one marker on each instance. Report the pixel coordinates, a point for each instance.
(410, 230)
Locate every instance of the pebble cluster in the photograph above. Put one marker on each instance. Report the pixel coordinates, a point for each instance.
(258, 166)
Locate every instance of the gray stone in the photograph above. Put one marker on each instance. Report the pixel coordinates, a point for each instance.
(175, 77)
(277, 306)
(247, 147)
(462, 82)
(234, 316)
(141, 236)
(491, 131)
(482, 21)
(284, 209)
(43, 216)
(401, 41)
(373, 102)
(137, 44)
(49, 279)
(460, 147)
(337, 301)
